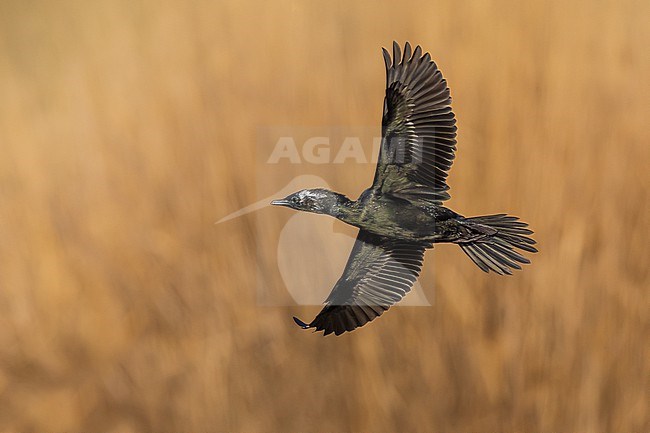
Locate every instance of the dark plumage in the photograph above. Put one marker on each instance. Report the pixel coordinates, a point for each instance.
(401, 214)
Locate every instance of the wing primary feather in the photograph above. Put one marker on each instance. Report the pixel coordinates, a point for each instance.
(407, 53)
(387, 60)
(300, 323)
(397, 53)
(417, 53)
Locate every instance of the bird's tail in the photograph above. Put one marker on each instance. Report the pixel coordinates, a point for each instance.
(493, 248)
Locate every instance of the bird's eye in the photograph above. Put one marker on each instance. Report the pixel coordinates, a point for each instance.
(295, 200)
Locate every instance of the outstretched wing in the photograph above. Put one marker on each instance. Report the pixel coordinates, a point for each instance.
(379, 272)
(418, 128)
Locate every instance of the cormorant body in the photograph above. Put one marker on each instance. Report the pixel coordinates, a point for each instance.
(402, 214)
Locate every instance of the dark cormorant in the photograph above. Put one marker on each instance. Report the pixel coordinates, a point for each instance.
(401, 214)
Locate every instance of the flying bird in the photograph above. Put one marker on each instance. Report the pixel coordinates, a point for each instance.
(401, 214)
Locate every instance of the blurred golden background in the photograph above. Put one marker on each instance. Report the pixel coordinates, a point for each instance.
(128, 128)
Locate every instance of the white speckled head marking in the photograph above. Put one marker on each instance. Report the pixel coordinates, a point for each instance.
(316, 194)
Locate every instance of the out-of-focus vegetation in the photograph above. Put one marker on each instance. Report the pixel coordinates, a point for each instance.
(128, 128)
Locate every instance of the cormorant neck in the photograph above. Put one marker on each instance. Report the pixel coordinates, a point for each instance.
(343, 209)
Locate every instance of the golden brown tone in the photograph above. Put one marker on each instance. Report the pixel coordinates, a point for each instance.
(127, 129)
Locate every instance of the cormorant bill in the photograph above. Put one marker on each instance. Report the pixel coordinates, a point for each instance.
(401, 214)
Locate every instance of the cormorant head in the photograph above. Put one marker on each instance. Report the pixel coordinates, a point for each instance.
(317, 200)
